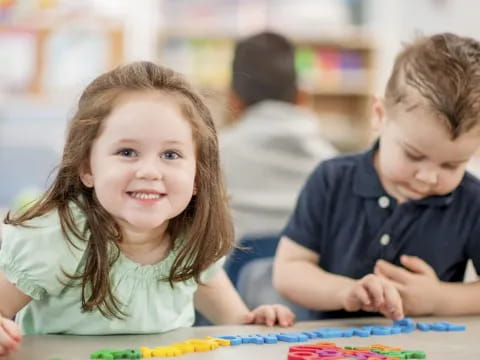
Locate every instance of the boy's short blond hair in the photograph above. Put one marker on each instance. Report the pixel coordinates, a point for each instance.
(444, 71)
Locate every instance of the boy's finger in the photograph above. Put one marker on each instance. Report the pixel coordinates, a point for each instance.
(362, 295)
(417, 265)
(393, 302)
(395, 284)
(374, 288)
(392, 272)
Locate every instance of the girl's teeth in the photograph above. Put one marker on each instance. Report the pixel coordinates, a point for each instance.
(145, 196)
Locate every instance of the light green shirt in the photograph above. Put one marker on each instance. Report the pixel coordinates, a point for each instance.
(33, 259)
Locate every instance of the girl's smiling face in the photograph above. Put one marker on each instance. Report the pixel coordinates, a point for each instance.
(143, 163)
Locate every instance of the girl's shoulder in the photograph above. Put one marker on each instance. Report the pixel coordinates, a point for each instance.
(35, 255)
(47, 227)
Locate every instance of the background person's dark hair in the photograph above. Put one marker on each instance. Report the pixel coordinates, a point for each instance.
(264, 69)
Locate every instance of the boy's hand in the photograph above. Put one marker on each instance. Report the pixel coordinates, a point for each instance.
(418, 286)
(374, 293)
(270, 315)
(10, 337)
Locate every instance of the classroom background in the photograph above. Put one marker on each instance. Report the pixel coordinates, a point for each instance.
(50, 49)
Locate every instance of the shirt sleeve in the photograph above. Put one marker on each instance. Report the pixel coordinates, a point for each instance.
(34, 258)
(209, 273)
(306, 224)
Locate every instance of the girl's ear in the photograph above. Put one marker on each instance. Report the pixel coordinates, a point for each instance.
(378, 118)
(86, 176)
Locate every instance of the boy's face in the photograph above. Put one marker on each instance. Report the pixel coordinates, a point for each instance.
(417, 157)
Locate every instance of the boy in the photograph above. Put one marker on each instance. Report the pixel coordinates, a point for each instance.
(391, 230)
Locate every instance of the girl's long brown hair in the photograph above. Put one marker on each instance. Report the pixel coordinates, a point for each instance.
(204, 227)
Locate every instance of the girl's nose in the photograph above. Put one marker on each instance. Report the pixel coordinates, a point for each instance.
(149, 169)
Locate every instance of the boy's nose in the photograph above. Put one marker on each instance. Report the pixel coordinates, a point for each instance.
(428, 177)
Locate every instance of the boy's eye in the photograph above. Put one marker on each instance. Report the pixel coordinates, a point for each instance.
(450, 166)
(170, 155)
(413, 157)
(127, 152)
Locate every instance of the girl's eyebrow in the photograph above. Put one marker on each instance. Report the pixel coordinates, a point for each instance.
(126, 141)
(166, 142)
(172, 142)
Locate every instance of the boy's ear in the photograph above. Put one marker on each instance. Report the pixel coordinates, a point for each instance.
(86, 176)
(378, 110)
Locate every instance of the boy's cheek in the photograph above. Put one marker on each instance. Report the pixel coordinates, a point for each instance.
(448, 183)
(396, 169)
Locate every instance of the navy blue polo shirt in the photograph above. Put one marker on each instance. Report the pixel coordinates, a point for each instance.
(345, 215)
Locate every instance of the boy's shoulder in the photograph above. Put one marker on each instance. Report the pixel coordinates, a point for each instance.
(470, 185)
(342, 166)
(347, 160)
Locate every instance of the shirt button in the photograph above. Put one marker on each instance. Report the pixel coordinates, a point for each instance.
(385, 239)
(383, 201)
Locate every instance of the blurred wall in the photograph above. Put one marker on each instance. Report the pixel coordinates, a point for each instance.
(396, 21)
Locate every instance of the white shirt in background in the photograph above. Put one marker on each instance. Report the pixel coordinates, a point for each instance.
(266, 158)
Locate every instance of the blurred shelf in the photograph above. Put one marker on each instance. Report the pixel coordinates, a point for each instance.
(348, 40)
(355, 40)
(339, 92)
(45, 48)
(336, 73)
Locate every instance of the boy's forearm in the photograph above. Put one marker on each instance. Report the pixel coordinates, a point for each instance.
(309, 286)
(458, 299)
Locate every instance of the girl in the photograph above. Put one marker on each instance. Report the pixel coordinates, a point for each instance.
(132, 233)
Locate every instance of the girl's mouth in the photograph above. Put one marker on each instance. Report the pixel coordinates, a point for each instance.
(140, 195)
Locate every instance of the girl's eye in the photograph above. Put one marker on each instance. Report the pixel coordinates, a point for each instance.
(170, 155)
(127, 152)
